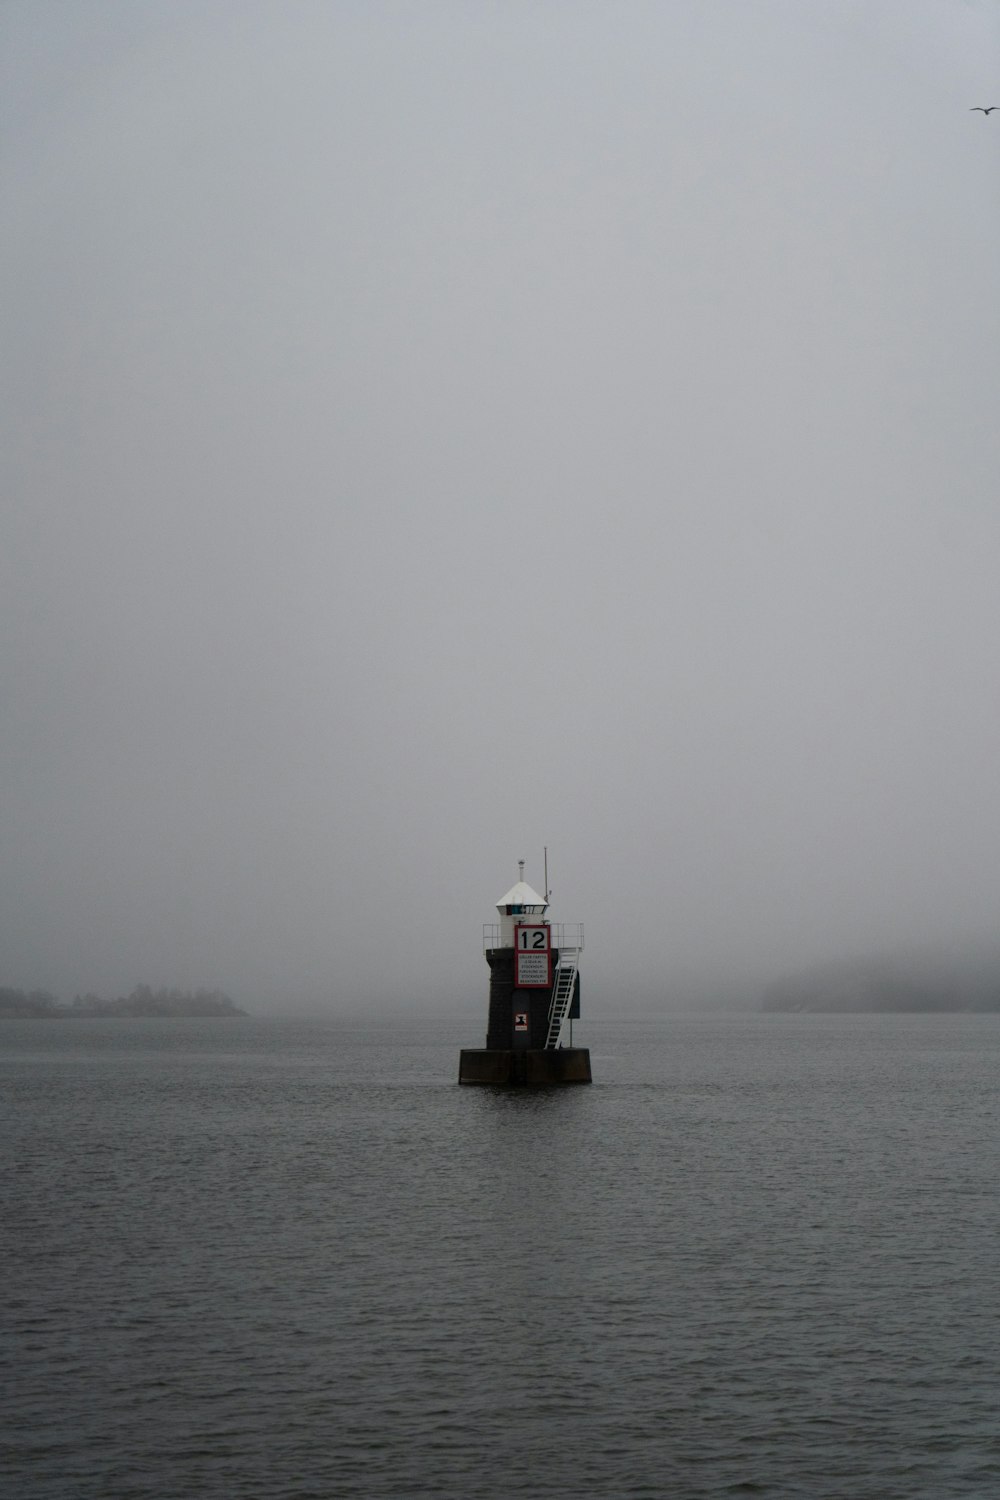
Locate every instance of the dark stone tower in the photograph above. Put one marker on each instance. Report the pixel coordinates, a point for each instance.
(534, 997)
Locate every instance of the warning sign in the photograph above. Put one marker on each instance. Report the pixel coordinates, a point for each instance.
(533, 971)
(520, 1020)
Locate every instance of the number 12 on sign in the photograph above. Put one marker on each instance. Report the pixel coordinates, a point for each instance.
(533, 945)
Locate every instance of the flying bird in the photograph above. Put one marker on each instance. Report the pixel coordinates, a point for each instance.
(983, 108)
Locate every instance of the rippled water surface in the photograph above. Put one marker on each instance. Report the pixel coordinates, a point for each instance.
(249, 1258)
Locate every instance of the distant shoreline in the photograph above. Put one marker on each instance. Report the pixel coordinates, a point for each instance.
(66, 1013)
(143, 1002)
(942, 1008)
(907, 985)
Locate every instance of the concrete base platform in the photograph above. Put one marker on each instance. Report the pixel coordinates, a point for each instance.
(531, 1067)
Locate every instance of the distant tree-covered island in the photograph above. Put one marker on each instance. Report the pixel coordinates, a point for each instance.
(143, 1001)
(907, 984)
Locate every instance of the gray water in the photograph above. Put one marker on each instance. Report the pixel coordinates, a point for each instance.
(273, 1259)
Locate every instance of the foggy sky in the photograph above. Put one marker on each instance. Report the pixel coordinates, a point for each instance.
(433, 432)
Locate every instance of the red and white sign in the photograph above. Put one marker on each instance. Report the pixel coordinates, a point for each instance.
(520, 1020)
(533, 956)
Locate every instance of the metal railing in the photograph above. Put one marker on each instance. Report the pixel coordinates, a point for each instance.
(564, 935)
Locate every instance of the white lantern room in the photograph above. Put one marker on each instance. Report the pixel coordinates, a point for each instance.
(520, 904)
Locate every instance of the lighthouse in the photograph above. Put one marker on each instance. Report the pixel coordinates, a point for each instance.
(534, 996)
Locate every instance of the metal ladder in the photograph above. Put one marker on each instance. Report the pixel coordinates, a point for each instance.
(562, 992)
